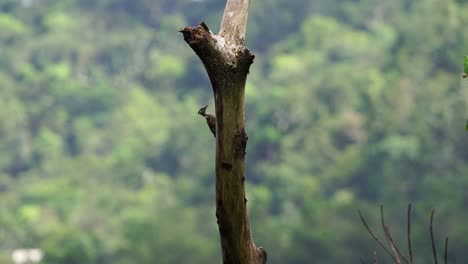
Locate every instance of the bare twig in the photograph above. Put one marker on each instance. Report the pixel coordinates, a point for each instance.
(445, 253)
(388, 236)
(410, 249)
(432, 237)
(390, 240)
(375, 237)
(394, 246)
(395, 253)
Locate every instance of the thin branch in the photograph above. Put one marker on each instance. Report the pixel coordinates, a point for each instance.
(390, 240)
(396, 253)
(375, 237)
(394, 246)
(434, 251)
(388, 236)
(445, 254)
(410, 248)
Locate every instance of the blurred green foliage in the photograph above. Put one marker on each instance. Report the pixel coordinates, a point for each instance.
(350, 104)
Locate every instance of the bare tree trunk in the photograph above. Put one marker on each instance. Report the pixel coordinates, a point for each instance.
(227, 62)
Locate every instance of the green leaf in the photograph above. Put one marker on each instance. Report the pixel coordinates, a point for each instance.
(466, 125)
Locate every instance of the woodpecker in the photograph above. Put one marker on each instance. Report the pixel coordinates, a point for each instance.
(210, 119)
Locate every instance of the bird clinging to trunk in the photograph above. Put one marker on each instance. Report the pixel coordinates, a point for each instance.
(210, 119)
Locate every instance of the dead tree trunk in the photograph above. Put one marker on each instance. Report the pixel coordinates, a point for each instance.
(227, 62)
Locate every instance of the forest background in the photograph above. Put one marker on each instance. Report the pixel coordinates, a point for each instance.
(350, 104)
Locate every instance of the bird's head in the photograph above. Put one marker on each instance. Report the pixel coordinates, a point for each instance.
(202, 111)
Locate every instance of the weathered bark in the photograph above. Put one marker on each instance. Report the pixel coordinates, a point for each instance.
(227, 62)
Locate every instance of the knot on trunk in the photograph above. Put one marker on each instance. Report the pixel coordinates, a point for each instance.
(240, 143)
(262, 254)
